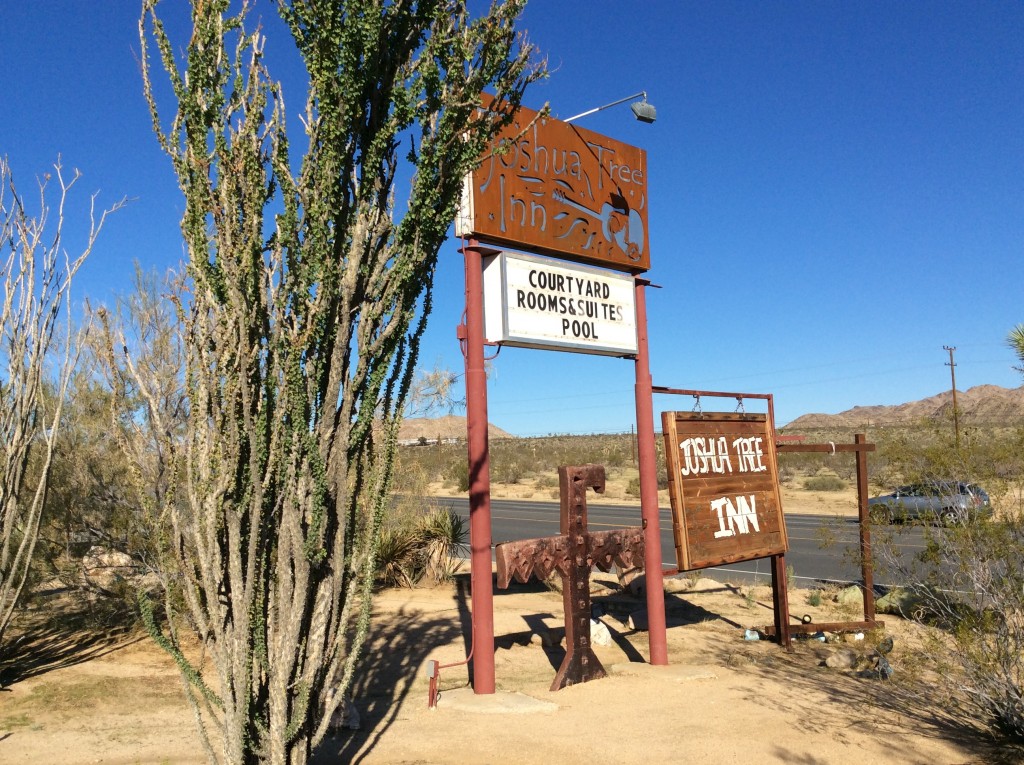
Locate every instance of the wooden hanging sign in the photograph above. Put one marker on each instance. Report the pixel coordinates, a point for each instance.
(724, 485)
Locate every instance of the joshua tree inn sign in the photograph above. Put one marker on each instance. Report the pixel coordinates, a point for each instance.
(724, 486)
(557, 189)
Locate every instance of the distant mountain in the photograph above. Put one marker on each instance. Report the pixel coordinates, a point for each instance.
(445, 428)
(980, 405)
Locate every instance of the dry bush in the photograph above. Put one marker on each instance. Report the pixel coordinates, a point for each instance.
(967, 584)
(824, 483)
(38, 353)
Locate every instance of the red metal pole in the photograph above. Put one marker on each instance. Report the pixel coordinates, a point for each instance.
(866, 563)
(649, 510)
(482, 595)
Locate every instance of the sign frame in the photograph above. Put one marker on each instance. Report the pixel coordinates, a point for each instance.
(725, 495)
(586, 289)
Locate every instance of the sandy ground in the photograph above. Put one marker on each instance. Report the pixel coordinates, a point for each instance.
(721, 700)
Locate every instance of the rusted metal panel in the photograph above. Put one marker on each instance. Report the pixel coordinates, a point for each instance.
(572, 555)
(723, 484)
(542, 557)
(559, 189)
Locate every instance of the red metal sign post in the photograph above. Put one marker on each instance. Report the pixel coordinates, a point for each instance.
(649, 512)
(482, 595)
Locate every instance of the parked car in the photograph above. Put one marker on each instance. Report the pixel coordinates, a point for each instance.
(947, 502)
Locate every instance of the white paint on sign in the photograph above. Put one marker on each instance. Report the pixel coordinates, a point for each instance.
(735, 517)
(704, 456)
(537, 302)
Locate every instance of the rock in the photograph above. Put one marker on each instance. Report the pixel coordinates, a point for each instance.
(638, 620)
(548, 638)
(844, 658)
(599, 633)
(675, 585)
(881, 671)
(884, 668)
(637, 586)
(345, 717)
(704, 584)
(850, 596)
(901, 602)
(554, 582)
(105, 569)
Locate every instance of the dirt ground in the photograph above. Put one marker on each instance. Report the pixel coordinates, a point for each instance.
(722, 699)
(116, 698)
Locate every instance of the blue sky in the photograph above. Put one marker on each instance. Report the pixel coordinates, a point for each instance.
(837, 190)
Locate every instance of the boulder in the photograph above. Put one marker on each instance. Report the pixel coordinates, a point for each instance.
(637, 586)
(549, 638)
(674, 585)
(105, 569)
(901, 602)
(638, 620)
(844, 658)
(850, 596)
(704, 584)
(599, 633)
(345, 717)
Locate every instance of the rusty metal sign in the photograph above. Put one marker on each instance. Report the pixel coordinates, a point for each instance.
(557, 189)
(572, 555)
(724, 486)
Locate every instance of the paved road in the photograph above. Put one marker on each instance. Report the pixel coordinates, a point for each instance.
(811, 559)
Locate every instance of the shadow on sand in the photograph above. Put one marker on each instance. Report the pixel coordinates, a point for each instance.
(64, 633)
(388, 671)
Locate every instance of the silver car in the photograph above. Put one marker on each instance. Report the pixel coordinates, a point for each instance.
(947, 502)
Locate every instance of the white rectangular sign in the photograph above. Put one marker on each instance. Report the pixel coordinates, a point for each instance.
(535, 302)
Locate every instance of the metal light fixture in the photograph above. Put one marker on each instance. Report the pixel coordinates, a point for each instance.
(642, 110)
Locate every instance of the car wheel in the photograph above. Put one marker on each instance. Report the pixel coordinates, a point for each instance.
(949, 517)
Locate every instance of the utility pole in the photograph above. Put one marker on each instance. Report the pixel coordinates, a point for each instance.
(956, 412)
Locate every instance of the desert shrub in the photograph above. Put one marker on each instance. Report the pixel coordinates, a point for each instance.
(457, 474)
(515, 459)
(507, 471)
(967, 583)
(443, 535)
(968, 586)
(420, 546)
(824, 483)
(396, 557)
(662, 476)
(547, 481)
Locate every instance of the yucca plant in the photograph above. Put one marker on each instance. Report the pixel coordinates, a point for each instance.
(443, 534)
(396, 557)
